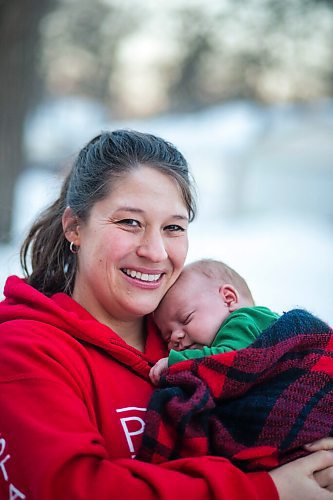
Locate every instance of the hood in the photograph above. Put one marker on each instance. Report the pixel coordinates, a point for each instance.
(23, 302)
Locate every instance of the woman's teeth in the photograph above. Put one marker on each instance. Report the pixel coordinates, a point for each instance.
(141, 276)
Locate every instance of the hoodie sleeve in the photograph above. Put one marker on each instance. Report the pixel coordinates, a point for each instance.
(51, 448)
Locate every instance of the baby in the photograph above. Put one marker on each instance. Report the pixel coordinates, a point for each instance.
(209, 310)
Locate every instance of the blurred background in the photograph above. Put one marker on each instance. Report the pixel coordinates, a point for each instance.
(243, 87)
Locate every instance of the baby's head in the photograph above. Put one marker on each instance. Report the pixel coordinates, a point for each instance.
(194, 308)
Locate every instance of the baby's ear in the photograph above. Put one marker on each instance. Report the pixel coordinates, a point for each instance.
(230, 296)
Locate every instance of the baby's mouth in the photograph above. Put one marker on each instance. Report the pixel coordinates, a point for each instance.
(195, 346)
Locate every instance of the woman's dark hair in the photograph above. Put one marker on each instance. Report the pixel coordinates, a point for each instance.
(104, 159)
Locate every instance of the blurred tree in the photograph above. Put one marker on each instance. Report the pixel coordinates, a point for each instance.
(140, 58)
(80, 43)
(255, 49)
(148, 57)
(19, 88)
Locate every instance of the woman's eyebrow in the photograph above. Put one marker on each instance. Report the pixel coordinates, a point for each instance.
(140, 211)
(129, 209)
(180, 217)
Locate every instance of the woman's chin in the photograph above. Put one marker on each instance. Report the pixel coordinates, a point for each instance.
(141, 308)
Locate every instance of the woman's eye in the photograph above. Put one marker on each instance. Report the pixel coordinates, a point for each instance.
(173, 228)
(129, 222)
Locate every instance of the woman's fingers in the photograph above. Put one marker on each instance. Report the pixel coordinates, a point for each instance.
(308, 478)
(321, 444)
(325, 478)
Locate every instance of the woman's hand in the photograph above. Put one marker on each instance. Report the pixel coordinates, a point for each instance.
(321, 444)
(324, 477)
(156, 371)
(307, 478)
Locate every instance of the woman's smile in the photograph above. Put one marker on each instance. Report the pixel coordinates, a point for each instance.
(143, 280)
(142, 276)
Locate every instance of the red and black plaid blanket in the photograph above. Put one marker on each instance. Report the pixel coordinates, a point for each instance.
(257, 406)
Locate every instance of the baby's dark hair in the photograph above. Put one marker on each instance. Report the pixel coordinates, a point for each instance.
(46, 259)
(215, 269)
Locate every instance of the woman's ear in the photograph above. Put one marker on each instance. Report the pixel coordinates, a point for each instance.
(230, 296)
(70, 226)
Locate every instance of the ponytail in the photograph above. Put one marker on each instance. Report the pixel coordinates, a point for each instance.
(53, 265)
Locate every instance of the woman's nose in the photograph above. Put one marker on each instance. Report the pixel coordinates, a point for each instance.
(152, 247)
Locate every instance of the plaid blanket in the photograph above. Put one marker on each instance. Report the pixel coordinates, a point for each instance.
(257, 406)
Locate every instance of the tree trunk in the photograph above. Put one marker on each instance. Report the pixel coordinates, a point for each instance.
(19, 85)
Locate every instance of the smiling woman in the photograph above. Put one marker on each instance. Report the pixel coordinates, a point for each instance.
(97, 172)
(77, 340)
(131, 249)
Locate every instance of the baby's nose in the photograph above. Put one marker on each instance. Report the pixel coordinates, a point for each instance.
(175, 339)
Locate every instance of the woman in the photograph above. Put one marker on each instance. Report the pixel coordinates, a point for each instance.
(77, 345)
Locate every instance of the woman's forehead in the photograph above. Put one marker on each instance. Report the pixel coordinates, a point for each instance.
(146, 184)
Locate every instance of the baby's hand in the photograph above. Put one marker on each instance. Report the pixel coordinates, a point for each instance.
(157, 370)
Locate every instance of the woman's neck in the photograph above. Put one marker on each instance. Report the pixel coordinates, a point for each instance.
(132, 333)
(130, 330)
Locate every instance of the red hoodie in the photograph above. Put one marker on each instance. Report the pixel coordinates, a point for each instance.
(72, 403)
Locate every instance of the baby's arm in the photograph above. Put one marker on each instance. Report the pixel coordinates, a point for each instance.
(156, 371)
